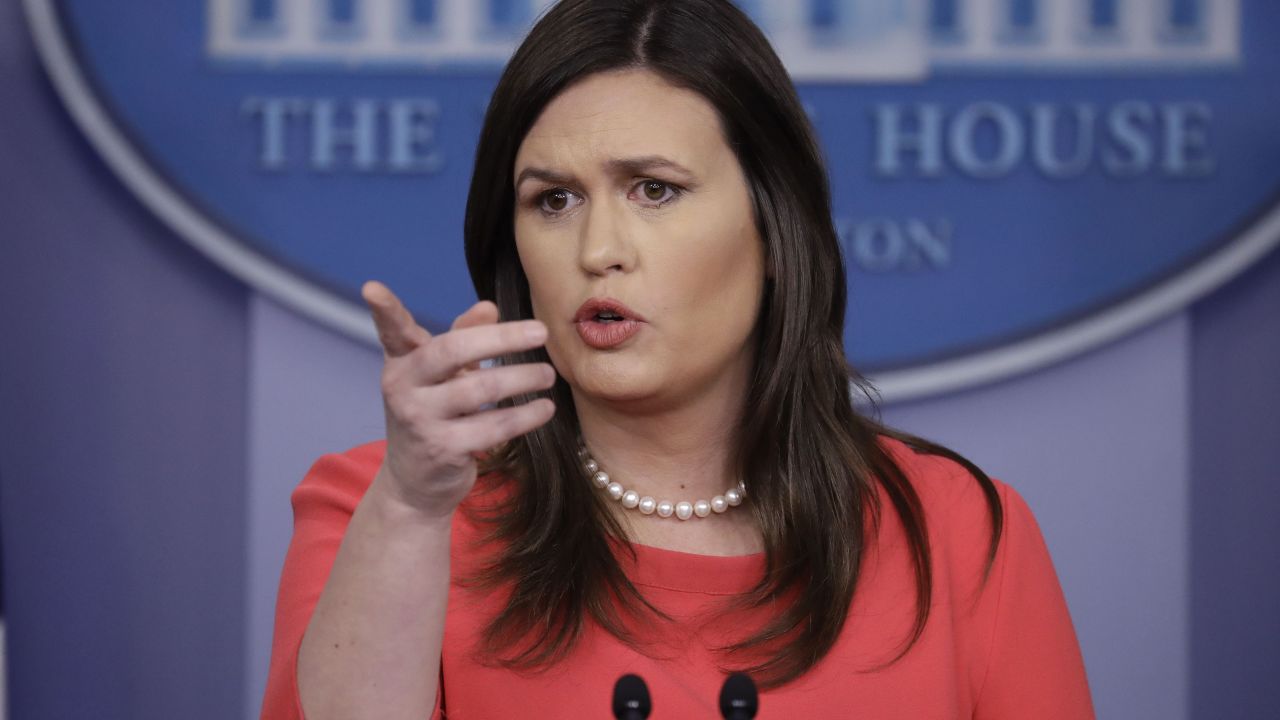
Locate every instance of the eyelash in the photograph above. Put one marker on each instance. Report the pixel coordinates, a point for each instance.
(540, 199)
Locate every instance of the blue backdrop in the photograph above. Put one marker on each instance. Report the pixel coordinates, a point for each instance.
(155, 412)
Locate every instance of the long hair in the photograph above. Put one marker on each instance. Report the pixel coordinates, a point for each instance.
(810, 459)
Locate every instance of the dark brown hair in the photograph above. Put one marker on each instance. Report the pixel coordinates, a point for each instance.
(810, 459)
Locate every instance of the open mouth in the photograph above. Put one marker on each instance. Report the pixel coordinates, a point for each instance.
(605, 310)
(605, 323)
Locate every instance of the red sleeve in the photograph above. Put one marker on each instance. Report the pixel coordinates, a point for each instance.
(322, 507)
(1034, 667)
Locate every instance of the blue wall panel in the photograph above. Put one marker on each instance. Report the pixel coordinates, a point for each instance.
(122, 381)
(1235, 534)
(132, 372)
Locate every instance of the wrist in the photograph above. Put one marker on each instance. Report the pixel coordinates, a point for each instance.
(388, 503)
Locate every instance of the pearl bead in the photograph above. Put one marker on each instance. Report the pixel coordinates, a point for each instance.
(647, 505)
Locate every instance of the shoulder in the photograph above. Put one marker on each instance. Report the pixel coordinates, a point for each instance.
(960, 516)
(1006, 609)
(960, 510)
(357, 465)
(342, 478)
(945, 486)
(337, 482)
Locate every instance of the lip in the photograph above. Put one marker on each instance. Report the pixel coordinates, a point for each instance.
(605, 335)
(595, 306)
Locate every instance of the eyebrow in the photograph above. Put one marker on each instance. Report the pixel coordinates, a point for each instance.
(615, 166)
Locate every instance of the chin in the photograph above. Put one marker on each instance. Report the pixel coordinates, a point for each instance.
(616, 379)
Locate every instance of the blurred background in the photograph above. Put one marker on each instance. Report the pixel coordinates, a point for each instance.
(1059, 220)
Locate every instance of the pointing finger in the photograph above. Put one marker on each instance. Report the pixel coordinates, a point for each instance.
(398, 332)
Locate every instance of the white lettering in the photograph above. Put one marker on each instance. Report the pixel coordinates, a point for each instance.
(884, 245)
(328, 135)
(989, 140)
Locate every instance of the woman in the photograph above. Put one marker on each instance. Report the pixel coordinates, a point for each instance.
(673, 480)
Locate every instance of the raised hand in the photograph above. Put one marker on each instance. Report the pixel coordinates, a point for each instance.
(435, 395)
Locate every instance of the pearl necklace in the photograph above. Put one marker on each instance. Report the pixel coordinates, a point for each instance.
(683, 509)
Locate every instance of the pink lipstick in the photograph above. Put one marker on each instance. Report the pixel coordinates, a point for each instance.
(605, 323)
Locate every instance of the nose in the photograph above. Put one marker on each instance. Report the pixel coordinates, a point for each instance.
(605, 244)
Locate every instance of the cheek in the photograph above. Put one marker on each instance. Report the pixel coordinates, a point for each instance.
(540, 269)
(721, 278)
(549, 294)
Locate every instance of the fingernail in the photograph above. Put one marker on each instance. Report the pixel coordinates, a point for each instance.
(536, 332)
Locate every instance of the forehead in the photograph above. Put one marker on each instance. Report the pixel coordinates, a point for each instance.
(622, 114)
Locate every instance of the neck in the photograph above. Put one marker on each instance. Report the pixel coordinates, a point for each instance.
(678, 451)
(681, 452)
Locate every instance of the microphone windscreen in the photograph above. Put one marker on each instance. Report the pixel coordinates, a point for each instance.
(631, 698)
(738, 699)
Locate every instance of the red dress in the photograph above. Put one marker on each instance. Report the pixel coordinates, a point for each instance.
(1005, 650)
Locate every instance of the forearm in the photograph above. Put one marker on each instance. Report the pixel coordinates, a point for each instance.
(372, 645)
(372, 648)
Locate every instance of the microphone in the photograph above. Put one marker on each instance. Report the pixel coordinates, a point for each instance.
(738, 699)
(631, 698)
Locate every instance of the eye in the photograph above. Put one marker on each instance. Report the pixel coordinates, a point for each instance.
(658, 192)
(554, 201)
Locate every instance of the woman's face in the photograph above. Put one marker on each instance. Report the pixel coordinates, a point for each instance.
(635, 229)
